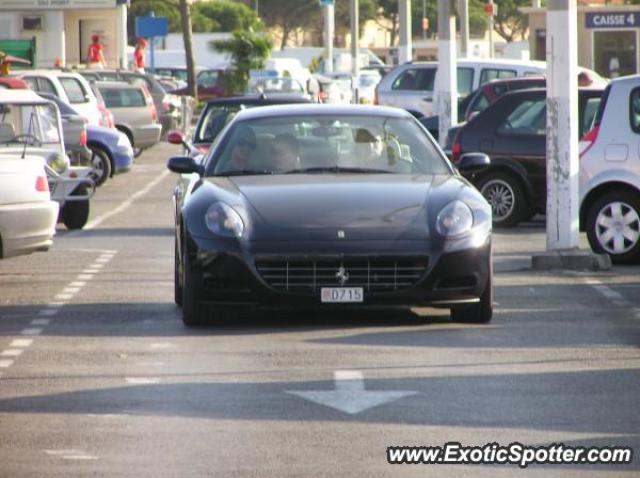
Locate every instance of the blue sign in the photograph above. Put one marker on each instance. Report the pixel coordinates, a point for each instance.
(148, 27)
(611, 20)
(326, 3)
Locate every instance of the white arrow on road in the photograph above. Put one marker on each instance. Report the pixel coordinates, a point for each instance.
(350, 395)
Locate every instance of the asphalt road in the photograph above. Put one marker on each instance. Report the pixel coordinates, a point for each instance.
(98, 376)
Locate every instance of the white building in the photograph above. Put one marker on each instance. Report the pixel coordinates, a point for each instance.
(63, 28)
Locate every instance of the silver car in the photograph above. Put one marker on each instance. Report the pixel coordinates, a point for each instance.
(133, 112)
(610, 173)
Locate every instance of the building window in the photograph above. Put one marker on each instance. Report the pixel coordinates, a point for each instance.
(541, 45)
(614, 53)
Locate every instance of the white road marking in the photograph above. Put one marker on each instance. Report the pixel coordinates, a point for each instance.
(141, 380)
(21, 343)
(77, 284)
(11, 352)
(33, 331)
(85, 277)
(71, 454)
(40, 322)
(6, 363)
(96, 266)
(103, 260)
(350, 395)
(71, 290)
(162, 345)
(123, 206)
(48, 312)
(90, 271)
(64, 296)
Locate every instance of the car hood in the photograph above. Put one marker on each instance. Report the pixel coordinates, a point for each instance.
(337, 207)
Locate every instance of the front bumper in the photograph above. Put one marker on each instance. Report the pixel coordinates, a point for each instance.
(122, 159)
(146, 136)
(448, 278)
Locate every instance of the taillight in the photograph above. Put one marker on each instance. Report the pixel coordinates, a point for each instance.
(83, 138)
(41, 184)
(154, 112)
(590, 138)
(456, 149)
(322, 97)
(106, 118)
(166, 105)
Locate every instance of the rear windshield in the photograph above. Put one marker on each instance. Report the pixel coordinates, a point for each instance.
(123, 98)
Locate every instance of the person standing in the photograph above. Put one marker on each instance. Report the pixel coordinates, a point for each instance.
(139, 55)
(95, 55)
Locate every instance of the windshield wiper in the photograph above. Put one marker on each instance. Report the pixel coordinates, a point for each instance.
(337, 170)
(246, 172)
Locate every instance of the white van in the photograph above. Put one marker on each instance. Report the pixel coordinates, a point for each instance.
(411, 86)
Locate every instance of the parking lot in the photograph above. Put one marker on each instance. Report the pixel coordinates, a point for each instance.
(99, 377)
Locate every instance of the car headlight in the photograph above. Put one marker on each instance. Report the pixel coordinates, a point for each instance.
(223, 220)
(58, 163)
(455, 219)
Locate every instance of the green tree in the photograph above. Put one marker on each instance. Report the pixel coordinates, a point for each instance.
(289, 15)
(248, 51)
(226, 16)
(510, 23)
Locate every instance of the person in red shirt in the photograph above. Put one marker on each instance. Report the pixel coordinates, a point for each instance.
(138, 55)
(96, 53)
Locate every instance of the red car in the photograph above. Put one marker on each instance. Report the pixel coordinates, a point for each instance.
(12, 83)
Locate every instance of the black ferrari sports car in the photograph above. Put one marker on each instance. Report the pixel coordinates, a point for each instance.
(329, 206)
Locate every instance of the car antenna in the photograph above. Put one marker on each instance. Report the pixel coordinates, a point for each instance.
(24, 150)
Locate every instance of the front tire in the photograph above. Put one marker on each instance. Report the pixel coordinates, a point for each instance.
(505, 193)
(613, 226)
(479, 313)
(177, 278)
(192, 310)
(75, 214)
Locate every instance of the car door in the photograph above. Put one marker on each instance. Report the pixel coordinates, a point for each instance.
(520, 142)
(413, 89)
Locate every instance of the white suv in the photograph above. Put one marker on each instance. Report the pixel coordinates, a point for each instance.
(610, 173)
(411, 86)
(70, 87)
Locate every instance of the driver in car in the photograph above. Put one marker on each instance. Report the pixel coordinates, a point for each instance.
(284, 153)
(242, 151)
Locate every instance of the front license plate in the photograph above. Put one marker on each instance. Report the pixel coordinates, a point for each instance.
(341, 294)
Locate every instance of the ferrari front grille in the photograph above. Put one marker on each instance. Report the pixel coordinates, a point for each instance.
(311, 274)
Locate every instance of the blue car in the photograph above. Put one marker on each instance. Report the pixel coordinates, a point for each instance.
(111, 151)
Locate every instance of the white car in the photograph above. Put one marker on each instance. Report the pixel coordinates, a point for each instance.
(71, 88)
(412, 86)
(31, 126)
(28, 216)
(610, 173)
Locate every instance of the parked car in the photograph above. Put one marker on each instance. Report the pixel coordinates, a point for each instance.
(275, 86)
(133, 111)
(327, 205)
(366, 83)
(108, 150)
(69, 87)
(28, 216)
(512, 131)
(411, 86)
(209, 83)
(30, 125)
(610, 174)
(219, 112)
(167, 105)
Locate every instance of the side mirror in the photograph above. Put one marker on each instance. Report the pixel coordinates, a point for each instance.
(184, 165)
(473, 162)
(175, 137)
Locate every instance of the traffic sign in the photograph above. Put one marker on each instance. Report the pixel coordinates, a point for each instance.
(152, 26)
(326, 3)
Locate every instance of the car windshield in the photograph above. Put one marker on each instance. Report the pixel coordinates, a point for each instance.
(326, 144)
(29, 123)
(214, 120)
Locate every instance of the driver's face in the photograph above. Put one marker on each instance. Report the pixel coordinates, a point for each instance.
(242, 150)
(282, 157)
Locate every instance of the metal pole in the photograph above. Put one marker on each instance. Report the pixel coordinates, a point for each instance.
(328, 38)
(446, 94)
(257, 8)
(490, 27)
(424, 15)
(354, 38)
(405, 48)
(464, 28)
(122, 50)
(562, 125)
